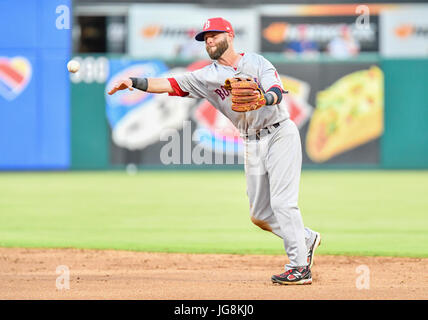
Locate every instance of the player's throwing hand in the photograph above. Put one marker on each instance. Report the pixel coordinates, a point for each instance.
(121, 85)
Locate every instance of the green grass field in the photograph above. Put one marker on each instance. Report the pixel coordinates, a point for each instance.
(358, 212)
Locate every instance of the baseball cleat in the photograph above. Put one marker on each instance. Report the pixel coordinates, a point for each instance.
(315, 244)
(300, 275)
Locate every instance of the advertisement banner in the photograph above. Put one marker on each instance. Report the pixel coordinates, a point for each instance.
(18, 112)
(168, 31)
(338, 108)
(404, 33)
(334, 35)
(161, 129)
(341, 112)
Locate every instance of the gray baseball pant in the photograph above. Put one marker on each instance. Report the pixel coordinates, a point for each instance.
(272, 169)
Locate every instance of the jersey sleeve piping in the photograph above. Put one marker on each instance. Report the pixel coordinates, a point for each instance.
(276, 86)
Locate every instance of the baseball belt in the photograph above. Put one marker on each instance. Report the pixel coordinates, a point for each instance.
(263, 132)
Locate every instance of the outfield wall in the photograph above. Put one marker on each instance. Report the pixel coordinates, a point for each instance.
(369, 111)
(34, 85)
(403, 142)
(40, 131)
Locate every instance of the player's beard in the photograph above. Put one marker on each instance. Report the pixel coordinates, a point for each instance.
(220, 49)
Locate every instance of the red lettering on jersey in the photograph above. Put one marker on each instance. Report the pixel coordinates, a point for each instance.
(220, 93)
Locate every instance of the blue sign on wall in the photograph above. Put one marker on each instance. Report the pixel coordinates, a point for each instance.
(34, 84)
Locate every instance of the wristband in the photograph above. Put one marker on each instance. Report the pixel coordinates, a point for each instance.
(278, 93)
(140, 83)
(269, 98)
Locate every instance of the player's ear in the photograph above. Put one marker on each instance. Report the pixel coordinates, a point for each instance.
(229, 37)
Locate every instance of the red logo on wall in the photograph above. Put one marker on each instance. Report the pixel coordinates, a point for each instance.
(15, 74)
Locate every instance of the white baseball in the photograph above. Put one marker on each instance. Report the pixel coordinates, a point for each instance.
(73, 66)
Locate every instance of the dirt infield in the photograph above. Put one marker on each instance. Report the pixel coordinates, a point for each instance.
(94, 274)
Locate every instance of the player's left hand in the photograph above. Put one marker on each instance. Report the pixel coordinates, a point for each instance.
(246, 94)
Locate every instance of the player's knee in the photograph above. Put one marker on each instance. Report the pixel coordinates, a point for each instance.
(279, 206)
(261, 224)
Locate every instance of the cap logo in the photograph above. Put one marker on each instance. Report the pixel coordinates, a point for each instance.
(207, 25)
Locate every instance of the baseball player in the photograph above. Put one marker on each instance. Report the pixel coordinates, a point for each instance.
(246, 88)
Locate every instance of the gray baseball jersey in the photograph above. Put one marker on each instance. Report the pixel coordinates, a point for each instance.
(208, 83)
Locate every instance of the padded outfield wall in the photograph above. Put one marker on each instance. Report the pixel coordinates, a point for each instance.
(48, 122)
(405, 140)
(34, 84)
(112, 134)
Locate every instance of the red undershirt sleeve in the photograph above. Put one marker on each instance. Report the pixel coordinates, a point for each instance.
(177, 89)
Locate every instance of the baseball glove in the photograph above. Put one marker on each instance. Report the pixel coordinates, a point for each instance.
(246, 94)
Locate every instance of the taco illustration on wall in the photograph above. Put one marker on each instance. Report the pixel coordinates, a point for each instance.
(348, 114)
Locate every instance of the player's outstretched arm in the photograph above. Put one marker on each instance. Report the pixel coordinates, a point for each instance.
(152, 85)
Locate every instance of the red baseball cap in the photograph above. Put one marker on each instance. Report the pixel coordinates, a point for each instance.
(215, 24)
